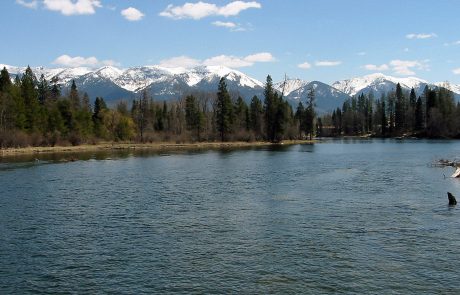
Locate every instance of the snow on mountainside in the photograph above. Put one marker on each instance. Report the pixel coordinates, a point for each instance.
(290, 85)
(377, 83)
(162, 83)
(455, 88)
(327, 97)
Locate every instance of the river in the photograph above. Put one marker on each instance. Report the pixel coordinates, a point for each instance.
(340, 216)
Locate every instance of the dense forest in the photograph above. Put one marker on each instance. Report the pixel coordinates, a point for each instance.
(434, 114)
(34, 112)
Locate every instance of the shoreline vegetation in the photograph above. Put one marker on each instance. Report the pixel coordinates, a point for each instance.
(158, 146)
(35, 117)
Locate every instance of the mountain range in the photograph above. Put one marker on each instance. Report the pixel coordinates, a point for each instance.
(171, 83)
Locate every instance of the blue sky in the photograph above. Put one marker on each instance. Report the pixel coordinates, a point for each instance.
(323, 40)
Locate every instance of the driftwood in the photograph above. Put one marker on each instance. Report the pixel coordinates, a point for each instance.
(452, 200)
(446, 163)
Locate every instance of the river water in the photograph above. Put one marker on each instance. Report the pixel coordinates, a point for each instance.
(345, 216)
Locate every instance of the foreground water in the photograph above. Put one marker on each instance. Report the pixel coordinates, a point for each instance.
(336, 217)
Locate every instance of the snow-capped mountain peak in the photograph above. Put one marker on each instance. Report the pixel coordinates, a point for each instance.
(108, 72)
(290, 85)
(377, 83)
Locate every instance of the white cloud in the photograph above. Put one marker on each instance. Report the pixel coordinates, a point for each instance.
(179, 62)
(456, 71)
(233, 27)
(230, 61)
(70, 7)
(78, 61)
(406, 49)
(201, 9)
(31, 5)
(362, 53)
(132, 14)
(371, 67)
(260, 57)
(229, 25)
(227, 61)
(304, 65)
(406, 67)
(421, 36)
(327, 63)
(235, 7)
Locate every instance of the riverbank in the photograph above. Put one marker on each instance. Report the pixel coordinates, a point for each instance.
(163, 146)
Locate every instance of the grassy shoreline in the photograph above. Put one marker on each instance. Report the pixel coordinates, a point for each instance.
(161, 146)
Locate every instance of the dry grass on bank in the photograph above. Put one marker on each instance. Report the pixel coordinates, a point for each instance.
(164, 146)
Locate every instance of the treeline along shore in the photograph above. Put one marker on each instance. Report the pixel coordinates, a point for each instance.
(35, 113)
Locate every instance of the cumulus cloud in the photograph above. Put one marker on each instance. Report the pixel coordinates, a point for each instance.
(227, 61)
(179, 62)
(132, 14)
(79, 61)
(371, 67)
(456, 71)
(230, 61)
(327, 63)
(304, 65)
(28, 4)
(201, 9)
(407, 67)
(69, 7)
(260, 57)
(421, 36)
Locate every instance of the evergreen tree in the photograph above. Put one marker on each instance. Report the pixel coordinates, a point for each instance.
(98, 116)
(310, 112)
(74, 96)
(400, 110)
(193, 116)
(30, 96)
(418, 115)
(43, 90)
(224, 111)
(55, 90)
(270, 109)
(5, 80)
(256, 116)
(240, 113)
(383, 117)
(300, 117)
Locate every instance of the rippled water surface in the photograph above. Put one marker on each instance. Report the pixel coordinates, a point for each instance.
(366, 217)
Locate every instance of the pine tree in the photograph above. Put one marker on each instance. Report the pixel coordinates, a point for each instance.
(270, 108)
(55, 90)
(310, 112)
(400, 109)
(30, 95)
(5, 80)
(418, 115)
(300, 117)
(43, 90)
(193, 116)
(256, 113)
(224, 111)
(74, 96)
(99, 108)
(383, 116)
(240, 113)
